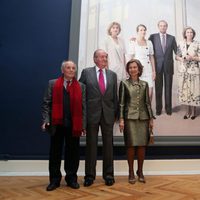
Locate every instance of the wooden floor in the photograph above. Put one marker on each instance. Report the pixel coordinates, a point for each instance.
(184, 187)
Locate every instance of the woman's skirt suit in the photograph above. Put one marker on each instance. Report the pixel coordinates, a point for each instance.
(189, 74)
(135, 109)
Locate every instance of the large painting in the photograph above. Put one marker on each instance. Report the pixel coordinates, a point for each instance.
(96, 15)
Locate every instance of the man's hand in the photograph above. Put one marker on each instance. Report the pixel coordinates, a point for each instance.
(44, 126)
(83, 132)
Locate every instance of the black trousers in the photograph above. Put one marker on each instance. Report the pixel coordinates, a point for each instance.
(63, 137)
(91, 149)
(168, 78)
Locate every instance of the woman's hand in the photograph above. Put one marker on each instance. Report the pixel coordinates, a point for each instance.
(154, 75)
(121, 125)
(151, 123)
(188, 58)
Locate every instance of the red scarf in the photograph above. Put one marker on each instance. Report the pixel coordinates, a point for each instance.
(75, 95)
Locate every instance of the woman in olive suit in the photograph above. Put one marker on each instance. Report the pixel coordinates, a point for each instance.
(136, 117)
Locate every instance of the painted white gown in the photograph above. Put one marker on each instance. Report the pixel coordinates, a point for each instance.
(116, 57)
(142, 53)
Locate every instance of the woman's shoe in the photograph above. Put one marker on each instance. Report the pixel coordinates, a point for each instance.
(193, 113)
(193, 117)
(131, 179)
(186, 116)
(141, 177)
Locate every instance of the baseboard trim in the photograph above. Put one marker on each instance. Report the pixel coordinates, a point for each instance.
(151, 167)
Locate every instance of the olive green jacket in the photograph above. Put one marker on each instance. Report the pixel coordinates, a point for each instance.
(134, 100)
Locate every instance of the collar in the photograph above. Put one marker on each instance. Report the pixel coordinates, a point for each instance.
(161, 34)
(68, 80)
(65, 82)
(97, 69)
(134, 83)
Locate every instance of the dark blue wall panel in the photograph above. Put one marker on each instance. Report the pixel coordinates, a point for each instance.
(34, 39)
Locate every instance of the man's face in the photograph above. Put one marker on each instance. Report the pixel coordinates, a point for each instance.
(162, 26)
(101, 59)
(69, 70)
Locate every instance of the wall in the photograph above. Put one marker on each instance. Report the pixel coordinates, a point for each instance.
(34, 40)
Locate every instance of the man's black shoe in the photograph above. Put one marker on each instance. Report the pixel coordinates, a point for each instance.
(53, 186)
(169, 113)
(109, 181)
(158, 113)
(73, 185)
(88, 182)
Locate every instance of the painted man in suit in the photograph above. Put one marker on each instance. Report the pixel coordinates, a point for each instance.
(164, 46)
(64, 117)
(101, 101)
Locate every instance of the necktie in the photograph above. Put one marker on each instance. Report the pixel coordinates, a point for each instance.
(101, 82)
(67, 86)
(163, 43)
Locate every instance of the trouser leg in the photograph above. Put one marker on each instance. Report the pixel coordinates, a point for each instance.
(72, 156)
(55, 155)
(107, 137)
(168, 78)
(91, 150)
(159, 91)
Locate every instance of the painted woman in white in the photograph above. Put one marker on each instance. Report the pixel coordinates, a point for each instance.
(142, 49)
(115, 47)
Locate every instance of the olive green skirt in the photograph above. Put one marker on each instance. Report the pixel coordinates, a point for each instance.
(136, 132)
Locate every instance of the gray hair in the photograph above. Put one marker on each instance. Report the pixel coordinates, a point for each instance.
(97, 51)
(65, 62)
(162, 20)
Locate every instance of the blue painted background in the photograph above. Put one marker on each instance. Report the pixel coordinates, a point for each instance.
(34, 38)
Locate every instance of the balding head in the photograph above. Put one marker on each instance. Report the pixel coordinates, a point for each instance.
(100, 58)
(68, 69)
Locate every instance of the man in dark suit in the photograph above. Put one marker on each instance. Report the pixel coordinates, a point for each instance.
(164, 45)
(101, 101)
(64, 117)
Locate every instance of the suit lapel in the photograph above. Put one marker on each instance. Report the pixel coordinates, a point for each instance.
(167, 41)
(159, 42)
(94, 79)
(107, 80)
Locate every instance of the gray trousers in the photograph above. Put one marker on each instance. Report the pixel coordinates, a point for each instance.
(91, 149)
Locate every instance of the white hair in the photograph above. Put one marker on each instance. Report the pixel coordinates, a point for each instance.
(65, 62)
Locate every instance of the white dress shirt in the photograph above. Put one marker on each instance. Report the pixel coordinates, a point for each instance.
(104, 75)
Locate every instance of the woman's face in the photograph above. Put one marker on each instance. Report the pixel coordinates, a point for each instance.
(189, 34)
(141, 31)
(114, 31)
(133, 70)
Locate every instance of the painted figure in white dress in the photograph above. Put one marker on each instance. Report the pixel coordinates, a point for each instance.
(115, 47)
(142, 49)
(188, 55)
